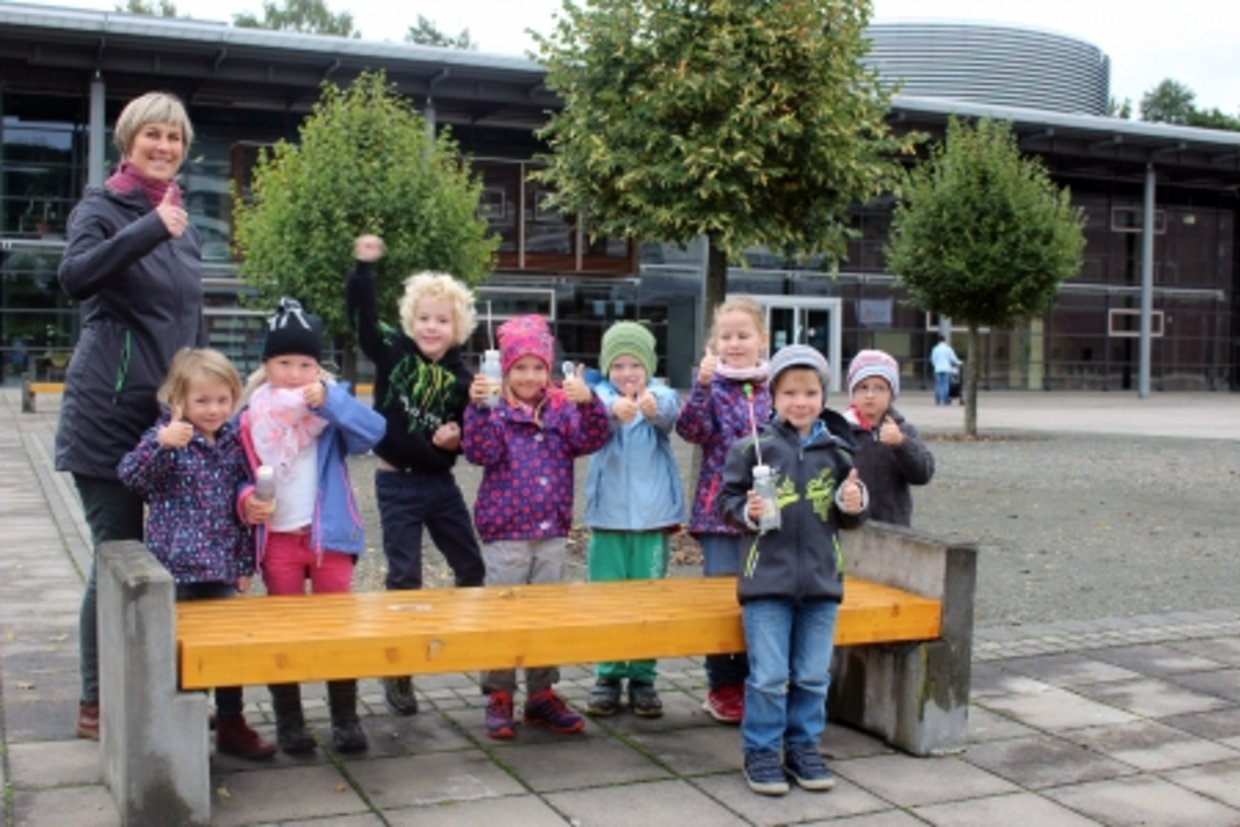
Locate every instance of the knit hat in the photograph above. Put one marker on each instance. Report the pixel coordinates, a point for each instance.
(628, 339)
(874, 363)
(801, 356)
(525, 336)
(291, 330)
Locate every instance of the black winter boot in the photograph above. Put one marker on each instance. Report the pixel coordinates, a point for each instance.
(290, 721)
(347, 733)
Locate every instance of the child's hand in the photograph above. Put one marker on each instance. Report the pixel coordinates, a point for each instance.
(850, 494)
(480, 389)
(753, 508)
(177, 433)
(706, 368)
(447, 436)
(314, 394)
(890, 433)
(624, 409)
(243, 584)
(647, 404)
(575, 388)
(368, 248)
(258, 512)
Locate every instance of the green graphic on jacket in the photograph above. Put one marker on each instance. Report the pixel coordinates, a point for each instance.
(425, 390)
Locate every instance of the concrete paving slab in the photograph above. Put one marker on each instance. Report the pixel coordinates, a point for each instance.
(1069, 670)
(526, 811)
(887, 818)
(841, 742)
(37, 720)
(908, 781)
(1152, 697)
(1152, 746)
(573, 762)
(282, 794)
(799, 805)
(1158, 659)
(365, 820)
(1220, 780)
(659, 802)
(1039, 761)
(418, 780)
(698, 751)
(1143, 800)
(1219, 724)
(1224, 650)
(1020, 808)
(78, 806)
(1055, 709)
(54, 763)
(986, 725)
(1224, 683)
(415, 734)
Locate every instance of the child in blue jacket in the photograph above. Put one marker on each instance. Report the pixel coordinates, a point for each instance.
(634, 497)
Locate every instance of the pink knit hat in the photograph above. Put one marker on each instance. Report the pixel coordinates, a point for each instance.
(525, 336)
(874, 363)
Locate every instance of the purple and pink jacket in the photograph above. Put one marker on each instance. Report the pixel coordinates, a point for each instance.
(527, 481)
(714, 418)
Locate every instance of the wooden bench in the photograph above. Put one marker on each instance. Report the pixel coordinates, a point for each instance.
(901, 670)
(32, 389)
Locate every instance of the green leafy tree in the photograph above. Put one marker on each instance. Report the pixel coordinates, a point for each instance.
(1119, 109)
(1168, 102)
(751, 123)
(305, 16)
(426, 33)
(984, 236)
(364, 164)
(158, 8)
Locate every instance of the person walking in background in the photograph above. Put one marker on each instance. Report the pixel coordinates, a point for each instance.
(421, 388)
(890, 455)
(727, 399)
(634, 497)
(304, 425)
(792, 576)
(134, 263)
(525, 434)
(945, 363)
(189, 468)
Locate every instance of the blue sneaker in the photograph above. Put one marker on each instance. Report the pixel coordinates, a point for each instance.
(808, 769)
(548, 709)
(764, 774)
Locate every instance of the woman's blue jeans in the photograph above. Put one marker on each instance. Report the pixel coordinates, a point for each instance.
(789, 662)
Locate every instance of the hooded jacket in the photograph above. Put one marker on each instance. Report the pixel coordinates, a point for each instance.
(802, 559)
(888, 472)
(414, 394)
(140, 292)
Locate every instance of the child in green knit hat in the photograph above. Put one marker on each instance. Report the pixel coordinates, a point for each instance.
(634, 499)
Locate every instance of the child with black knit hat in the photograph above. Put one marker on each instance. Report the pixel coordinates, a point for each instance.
(303, 425)
(634, 497)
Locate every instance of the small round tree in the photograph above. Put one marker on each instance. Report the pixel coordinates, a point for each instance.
(364, 164)
(984, 236)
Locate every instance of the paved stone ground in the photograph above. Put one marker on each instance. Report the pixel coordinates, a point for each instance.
(1115, 718)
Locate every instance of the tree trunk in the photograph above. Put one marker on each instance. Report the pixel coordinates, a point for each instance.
(972, 374)
(716, 280)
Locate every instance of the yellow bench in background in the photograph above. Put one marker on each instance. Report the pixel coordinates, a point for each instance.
(31, 391)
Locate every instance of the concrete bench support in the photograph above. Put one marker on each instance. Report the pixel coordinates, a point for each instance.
(915, 695)
(154, 750)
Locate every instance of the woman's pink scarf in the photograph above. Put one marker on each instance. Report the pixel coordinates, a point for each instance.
(129, 178)
(282, 426)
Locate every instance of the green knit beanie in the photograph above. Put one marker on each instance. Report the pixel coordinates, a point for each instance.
(628, 338)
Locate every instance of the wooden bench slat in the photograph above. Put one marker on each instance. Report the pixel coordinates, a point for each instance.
(291, 639)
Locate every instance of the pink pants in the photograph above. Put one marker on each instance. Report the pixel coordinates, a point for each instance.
(289, 561)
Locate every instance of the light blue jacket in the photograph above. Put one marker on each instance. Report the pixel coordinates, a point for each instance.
(944, 358)
(633, 483)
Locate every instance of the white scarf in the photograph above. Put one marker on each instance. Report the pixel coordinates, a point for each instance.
(282, 425)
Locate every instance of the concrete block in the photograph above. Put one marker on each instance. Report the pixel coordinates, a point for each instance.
(154, 751)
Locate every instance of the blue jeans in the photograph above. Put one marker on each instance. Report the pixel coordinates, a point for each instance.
(789, 664)
(407, 502)
(942, 388)
(721, 557)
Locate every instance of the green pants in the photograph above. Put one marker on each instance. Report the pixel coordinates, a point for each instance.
(627, 555)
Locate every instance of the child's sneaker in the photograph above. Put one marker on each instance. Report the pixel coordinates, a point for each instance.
(764, 774)
(549, 710)
(604, 697)
(644, 701)
(726, 704)
(499, 716)
(808, 769)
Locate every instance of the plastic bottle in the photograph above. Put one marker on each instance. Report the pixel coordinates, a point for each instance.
(492, 371)
(764, 485)
(265, 484)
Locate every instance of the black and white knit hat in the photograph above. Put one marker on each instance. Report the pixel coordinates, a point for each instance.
(291, 330)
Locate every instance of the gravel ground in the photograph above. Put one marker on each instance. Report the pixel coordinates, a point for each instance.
(1069, 527)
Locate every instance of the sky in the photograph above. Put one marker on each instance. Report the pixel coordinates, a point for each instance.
(1191, 41)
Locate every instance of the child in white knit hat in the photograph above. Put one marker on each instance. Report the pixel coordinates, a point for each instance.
(890, 455)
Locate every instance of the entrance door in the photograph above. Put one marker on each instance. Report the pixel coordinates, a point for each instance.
(805, 320)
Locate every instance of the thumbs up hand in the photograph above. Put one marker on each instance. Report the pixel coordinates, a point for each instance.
(890, 434)
(175, 218)
(177, 433)
(575, 388)
(624, 409)
(706, 368)
(851, 498)
(647, 404)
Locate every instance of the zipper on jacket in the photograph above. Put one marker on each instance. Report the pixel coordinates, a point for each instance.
(122, 370)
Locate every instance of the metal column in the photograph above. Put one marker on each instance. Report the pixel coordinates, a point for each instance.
(1147, 285)
(96, 133)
